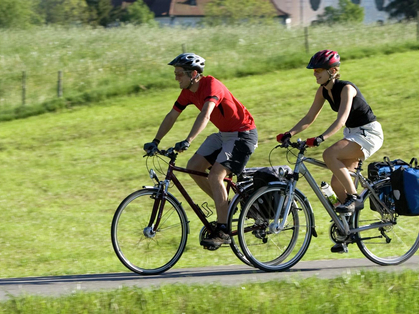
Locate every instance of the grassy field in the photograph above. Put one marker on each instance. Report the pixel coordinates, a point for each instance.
(102, 63)
(360, 293)
(64, 173)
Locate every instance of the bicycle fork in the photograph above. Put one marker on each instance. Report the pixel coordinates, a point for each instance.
(157, 212)
(286, 195)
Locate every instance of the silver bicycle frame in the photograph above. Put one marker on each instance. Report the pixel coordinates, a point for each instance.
(341, 223)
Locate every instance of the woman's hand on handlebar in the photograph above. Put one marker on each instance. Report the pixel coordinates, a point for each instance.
(284, 139)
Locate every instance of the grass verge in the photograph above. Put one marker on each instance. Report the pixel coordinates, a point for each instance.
(364, 292)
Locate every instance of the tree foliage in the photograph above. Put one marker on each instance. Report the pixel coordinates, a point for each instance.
(102, 12)
(346, 12)
(139, 13)
(19, 13)
(237, 11)
(63, 11)
(403, 9)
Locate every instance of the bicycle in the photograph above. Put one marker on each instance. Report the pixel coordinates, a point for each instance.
(150, 227)
(276, 238)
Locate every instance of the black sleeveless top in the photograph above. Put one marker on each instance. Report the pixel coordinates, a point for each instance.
(361, 112)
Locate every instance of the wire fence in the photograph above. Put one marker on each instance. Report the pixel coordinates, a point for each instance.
(55, 63)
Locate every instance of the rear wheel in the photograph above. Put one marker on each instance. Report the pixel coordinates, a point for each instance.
(389, 245)
(137, 246)
(268, 250)
(233, 221)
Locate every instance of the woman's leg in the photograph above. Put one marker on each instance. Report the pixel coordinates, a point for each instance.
(338, 158)
(335, 183)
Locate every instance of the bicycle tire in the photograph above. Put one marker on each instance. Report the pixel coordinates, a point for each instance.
(270, 251)
(142, 254)
(390, 245)
(233, 219)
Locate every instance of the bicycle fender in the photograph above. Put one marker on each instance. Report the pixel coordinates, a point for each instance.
(305, 200)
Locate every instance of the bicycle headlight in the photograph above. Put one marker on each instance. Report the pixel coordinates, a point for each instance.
(153, 175)
(281, 172)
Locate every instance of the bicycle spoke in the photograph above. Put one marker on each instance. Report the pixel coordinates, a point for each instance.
(140, 249)
(393, 245)
(280, 250)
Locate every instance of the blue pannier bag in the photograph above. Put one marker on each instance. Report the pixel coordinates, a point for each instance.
(405, 185)
(379, 171)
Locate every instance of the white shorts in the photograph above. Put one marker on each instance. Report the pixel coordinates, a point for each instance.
(369, 136)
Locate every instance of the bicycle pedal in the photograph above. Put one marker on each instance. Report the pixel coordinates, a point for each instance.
(340, 248)
(210, 247)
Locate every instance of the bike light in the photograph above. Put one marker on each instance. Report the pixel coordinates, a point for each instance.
(153, 175)
(281, 172)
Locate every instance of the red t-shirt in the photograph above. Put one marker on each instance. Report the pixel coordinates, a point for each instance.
(229, 115)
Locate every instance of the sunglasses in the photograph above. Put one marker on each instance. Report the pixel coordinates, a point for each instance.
(318, 70)
(181, 73)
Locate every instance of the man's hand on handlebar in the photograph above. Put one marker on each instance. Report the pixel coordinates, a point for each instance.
(152, 147)
(182, 146)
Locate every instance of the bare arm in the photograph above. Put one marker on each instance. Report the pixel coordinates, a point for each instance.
(311, 115)
(201, 121)
(167, 124)
(347, 96)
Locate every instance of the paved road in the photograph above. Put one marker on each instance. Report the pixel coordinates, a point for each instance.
(227, 275)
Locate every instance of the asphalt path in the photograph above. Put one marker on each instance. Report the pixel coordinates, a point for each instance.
(225, 275)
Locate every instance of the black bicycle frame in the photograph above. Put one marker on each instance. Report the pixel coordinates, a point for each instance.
(161, 197)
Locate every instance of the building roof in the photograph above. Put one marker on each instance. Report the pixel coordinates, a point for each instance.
(276, 4)
(162, 8)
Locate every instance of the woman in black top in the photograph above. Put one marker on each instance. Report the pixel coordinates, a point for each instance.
(363, 135)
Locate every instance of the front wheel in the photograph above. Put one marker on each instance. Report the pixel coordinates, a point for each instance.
(269, 250)
(389, 245)
(138, 246)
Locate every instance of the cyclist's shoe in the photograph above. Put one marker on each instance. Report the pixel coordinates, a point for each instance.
(348, 206)
(359, 204)
(217, 239)
(339, 248)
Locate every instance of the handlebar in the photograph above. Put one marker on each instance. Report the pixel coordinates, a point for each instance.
(170, 152)
(299, 144)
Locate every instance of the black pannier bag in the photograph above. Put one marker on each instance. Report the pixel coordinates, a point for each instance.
(265, 205)
(405, 185)
(381, 170)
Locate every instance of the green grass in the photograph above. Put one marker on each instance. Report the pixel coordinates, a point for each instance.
(364, 292)
(64, 173)
(98, 64)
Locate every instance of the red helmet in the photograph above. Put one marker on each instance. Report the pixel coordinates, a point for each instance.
(324, 59)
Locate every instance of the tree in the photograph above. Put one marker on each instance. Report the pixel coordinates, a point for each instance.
(346, 12)
(139, 13)
(18, 13)
(102, 12)
(403, 9)
(237, 11)
(64, 11)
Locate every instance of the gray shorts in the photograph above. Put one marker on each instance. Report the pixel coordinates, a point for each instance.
(369, 136)
(231, 149)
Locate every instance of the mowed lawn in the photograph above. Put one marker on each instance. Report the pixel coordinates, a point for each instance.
(63, 174)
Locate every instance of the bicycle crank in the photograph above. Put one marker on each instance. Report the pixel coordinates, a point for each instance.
(204, 234)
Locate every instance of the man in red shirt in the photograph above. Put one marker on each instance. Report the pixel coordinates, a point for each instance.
(224, 152)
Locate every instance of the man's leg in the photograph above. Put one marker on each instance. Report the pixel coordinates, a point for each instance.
(216, 181)
(200, 163)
